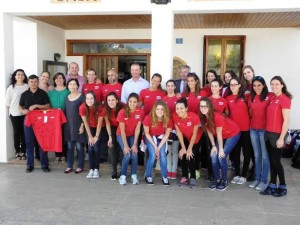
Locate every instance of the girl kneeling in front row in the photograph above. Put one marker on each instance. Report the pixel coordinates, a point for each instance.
(221, 127)
(157, 128)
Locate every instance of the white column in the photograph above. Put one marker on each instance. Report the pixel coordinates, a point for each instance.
(6, 68)
(162, 42)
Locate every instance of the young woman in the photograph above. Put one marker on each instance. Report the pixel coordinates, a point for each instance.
(259, 101)
(246, 79)
(93, 85)
(218, 128)
(238, 107)
(74, 128)
(130, 120)
(57, 98)
(193, 93)
(173, 143)
(210, 76)
(90, 112)
(149, 96)
(157, 128)
(229, 74)
(44, 81)
(220, 104)
(278, 118)
(187, 128)
(18, 85)
(110, 112)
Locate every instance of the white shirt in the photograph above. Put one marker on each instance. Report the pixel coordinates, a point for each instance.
(182, 86)
(131, 86)
(13, 95)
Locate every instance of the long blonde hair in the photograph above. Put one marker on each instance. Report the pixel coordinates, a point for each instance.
(166, 116)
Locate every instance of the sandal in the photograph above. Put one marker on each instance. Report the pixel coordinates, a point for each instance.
(68, 170)
(79, 170)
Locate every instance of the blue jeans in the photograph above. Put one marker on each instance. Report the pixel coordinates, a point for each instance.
(221, 163)
(70, 154)
(126, 158)
(152, 156)
(262, 163)
(29, 139)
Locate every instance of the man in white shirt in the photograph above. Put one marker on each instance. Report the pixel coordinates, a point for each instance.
(181, 83)
(134, 84)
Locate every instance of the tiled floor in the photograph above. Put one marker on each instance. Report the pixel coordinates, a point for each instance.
(58, 198)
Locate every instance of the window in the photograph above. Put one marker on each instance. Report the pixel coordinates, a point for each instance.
(223, 53)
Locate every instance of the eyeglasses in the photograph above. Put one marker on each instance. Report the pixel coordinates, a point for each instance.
(203, 106)
(234, 85)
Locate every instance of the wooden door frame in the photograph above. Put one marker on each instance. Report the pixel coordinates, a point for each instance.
(148, 55)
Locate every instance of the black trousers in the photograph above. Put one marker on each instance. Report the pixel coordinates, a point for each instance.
(18, 130)
(190, 165)
(245, 144)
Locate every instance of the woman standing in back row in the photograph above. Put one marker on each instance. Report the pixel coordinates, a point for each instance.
(278, 119)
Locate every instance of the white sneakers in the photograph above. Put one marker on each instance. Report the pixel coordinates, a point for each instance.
(238, 180)
(122, 179)
(93, 174)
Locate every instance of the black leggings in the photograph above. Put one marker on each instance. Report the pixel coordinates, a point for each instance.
(276, 167)
(19, 138)
(114, 151)
(189, 165)
(245, 144)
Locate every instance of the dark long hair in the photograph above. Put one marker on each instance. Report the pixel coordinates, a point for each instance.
(264, 92)
(95, 106)
(127, 108)
(13, 80)
(108, 109)
(197, 89)
(284, 89)
(208, 121)
(210, 71)
(160, 77)
(172, 81)
(241, 93)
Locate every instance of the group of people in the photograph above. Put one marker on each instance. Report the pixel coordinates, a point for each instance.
(200, 127)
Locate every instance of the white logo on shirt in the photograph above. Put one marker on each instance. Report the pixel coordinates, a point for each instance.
(137, 117)
(221, 103)
(188, 124)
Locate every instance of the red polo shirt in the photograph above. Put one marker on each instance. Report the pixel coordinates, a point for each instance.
(171, 102)
(130, 122)
(97, 88)
(186, 126)
(159, 129)
(220, 104)
(92, 119)
(274, 112)
(117, 88)
(148, 98)
(112, 119)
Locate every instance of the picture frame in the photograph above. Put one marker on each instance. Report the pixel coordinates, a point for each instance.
(54, 67)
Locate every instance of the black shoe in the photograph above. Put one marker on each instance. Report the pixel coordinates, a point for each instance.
(29, 169)
(268, 191)
(114, 176)
(46, 169)
(213, 184)
(165, 181)
(280, 192)
(222, 185)
(149, 180)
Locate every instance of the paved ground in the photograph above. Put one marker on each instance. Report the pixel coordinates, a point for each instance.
(57, 198)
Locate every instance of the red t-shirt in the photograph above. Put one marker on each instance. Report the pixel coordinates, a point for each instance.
(96, 88)
(171, 102)
(239, 112)
(220, 104)
(186, 126)
(148, 98)
(259, 111)
(130, 122)
(159, 129)
(206, 90)
(93, 119)
(229, 127)
(112, 119)
(274, 112)
(47, 128)
(117, 88)
(193, 101)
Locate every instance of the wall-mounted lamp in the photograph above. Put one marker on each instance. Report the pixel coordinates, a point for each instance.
(161, 2)
(57, 57)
